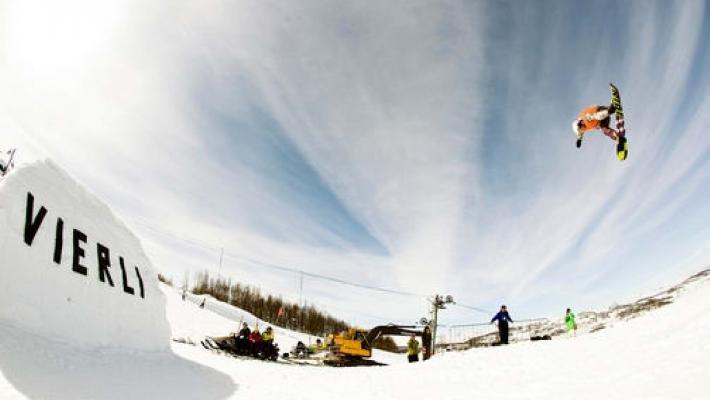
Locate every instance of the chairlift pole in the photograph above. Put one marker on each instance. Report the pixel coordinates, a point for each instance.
(435, 311)
(438, 303)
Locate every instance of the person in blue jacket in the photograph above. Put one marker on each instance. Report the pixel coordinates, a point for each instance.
(503, 318)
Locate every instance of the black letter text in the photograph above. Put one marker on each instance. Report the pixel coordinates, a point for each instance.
(32, 225)
(104, 263)
(58, 241)
(79, 237)
(126, 288)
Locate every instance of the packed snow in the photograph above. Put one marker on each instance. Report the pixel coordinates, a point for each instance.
(70, 269)
(660, 355)
(107, 344)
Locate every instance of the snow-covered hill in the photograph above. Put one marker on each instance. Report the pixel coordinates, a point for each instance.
(87, 346)
(587, 321)
(661, 354)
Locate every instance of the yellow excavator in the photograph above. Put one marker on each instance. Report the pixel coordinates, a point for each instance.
(353, 347)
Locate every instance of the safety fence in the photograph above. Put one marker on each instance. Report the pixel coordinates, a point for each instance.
(463, 337)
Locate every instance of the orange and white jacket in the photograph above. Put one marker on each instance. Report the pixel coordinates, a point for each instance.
(591, 118)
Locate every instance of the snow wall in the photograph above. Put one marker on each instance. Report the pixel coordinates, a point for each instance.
(70, 270)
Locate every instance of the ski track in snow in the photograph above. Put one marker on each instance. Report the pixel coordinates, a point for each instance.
(660, 355)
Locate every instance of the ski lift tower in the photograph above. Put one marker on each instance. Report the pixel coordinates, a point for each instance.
(439, 302)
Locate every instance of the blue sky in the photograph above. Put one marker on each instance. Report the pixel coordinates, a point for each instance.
(418, 146)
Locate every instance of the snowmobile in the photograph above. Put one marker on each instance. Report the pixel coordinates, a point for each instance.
(227, 344)
(300, 351)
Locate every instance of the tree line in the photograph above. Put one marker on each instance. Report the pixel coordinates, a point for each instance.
(267, 307)
(274, 310)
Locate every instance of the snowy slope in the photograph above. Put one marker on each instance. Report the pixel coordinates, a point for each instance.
(587, 321)
(52, 348)
(660, 355)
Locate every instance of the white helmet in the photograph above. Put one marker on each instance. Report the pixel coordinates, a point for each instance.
(577, 128)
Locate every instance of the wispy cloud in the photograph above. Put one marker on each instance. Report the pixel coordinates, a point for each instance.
(413, 145)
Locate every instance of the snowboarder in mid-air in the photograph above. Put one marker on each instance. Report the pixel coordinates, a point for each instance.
(599, 117)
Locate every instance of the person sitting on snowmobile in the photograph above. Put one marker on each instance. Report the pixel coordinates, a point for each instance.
(268, 336)
(594, 117)
(255, 341)
(242, 339)
(319, 346)
(300, 351)
(267, 343)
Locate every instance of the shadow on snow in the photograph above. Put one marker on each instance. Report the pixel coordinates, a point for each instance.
(42, 369)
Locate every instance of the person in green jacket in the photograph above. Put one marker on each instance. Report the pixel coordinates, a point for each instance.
(570, 322)
(413, 350)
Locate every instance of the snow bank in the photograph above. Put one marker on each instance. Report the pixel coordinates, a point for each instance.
(70, 269)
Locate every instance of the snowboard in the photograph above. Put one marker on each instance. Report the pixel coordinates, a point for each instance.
(4, 169)
(622, 145)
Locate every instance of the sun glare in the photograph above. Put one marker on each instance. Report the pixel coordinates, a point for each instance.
(47, 39)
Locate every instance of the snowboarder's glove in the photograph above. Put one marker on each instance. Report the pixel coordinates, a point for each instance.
(579, 143)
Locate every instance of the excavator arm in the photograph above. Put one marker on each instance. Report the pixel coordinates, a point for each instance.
(388, 330)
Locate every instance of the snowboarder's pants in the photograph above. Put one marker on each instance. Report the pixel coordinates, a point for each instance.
(413, 358)
(604, 124)
(503, 331)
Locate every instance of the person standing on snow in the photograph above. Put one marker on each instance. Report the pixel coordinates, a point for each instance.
(426, 343)
(570, 322)
(413, 350)
(594, 117)
(503, 318)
